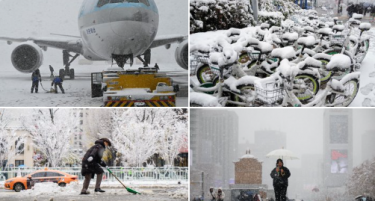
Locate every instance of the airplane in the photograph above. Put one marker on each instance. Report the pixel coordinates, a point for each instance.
(117, 30)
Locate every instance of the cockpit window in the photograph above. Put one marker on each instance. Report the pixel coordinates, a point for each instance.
(104, 2)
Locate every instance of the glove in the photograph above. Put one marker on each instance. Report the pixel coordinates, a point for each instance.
(90, 159)
(102, 163)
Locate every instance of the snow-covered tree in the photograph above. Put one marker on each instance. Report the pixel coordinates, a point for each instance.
(51, 131)
(219, 14)
(174, 135)
(11, 143)
(273, 11)
(362, 179)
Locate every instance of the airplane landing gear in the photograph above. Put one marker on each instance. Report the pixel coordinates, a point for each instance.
(67, 61)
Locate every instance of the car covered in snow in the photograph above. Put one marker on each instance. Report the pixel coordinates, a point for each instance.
(46, 175)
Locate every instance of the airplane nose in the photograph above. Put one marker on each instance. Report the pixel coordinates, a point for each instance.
(120, 19)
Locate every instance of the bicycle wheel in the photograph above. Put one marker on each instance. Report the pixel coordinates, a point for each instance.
(305, 94)
(204, 74)
(352, 87)
(245, 90)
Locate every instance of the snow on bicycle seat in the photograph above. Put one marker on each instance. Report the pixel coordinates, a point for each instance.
(330, 24)
(309, 29)
(325, 31)
(291, 37)
(233, 32)
(307, 41)
(253, 42)
(365, 26)
(322, 56)
(264, 47)
(338, 27)
(310, 62)
(284, 53)
(339, 62)
(357, 16)
(268, 66)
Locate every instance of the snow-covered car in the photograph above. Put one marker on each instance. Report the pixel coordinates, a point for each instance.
(46, 175)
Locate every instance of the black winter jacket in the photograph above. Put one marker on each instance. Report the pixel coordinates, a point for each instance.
(96, 152)
(278, 179)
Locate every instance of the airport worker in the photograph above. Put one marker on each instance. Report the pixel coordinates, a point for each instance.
(35, 78)
(57, 81)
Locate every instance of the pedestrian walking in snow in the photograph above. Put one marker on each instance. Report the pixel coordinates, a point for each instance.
(91, 165)
(57, 81)
(219, 195)
(35, 78)
(212, 194)
(280, 176)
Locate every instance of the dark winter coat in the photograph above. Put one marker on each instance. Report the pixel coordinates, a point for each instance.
(96, 152)
(35, 76)
(278, 179)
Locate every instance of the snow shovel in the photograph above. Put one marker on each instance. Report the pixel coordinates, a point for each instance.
(128, 189)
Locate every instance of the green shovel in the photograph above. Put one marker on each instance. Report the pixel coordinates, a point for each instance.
(128, 189)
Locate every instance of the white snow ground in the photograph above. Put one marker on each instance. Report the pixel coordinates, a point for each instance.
(161, 189)
(366, 95)
(15, 87)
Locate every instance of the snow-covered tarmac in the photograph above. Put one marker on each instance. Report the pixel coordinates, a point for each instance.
(15, 87)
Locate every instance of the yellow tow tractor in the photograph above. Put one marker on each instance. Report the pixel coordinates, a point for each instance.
(145, 87)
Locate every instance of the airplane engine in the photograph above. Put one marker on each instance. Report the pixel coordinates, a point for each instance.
(27, 57)
(181, 54)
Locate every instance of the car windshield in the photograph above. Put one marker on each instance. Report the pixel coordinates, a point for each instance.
(104, 2)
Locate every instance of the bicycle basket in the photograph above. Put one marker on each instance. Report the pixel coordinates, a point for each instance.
(255, 56)
(337, 39)
(271, 94)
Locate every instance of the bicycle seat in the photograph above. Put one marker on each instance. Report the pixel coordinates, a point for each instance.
(291, 37)
(264, 47)
(338, 28)
(284, 53)
(253, 42)
(339, 62)
(309, 29)
(325, 31)
(307, 41)
(309, 62)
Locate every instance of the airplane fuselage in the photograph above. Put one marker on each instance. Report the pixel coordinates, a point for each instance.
(125, 28)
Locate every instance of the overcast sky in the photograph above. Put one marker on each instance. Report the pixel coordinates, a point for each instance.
(303, 127)
(25, 18)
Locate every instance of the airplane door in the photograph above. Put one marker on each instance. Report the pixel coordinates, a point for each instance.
(96, 85)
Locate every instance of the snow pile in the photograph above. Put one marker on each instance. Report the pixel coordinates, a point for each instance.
(339, 61)
(287, 69)
(326, 31)
(49, 188)
(248, 156)
(338, 27)
(181, 193)
(357, 16)
(234, 83)
(284, 53)
(204, 100)
(290, 36)
(265, 47)
(306, 41)
(365, 26)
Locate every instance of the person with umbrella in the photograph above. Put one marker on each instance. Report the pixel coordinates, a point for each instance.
(280, 176)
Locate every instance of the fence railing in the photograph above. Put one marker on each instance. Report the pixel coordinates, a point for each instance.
(135, 173)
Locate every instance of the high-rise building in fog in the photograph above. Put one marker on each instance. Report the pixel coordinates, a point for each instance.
(213, 143)
(368, 148)
(338, 146)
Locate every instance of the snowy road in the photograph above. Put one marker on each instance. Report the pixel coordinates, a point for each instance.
(15, 88)
(50, 191)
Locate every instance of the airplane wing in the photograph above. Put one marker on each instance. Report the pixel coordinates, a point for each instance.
(167, 40)
(71, 45)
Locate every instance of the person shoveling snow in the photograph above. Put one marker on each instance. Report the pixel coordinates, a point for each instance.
(91, 165)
